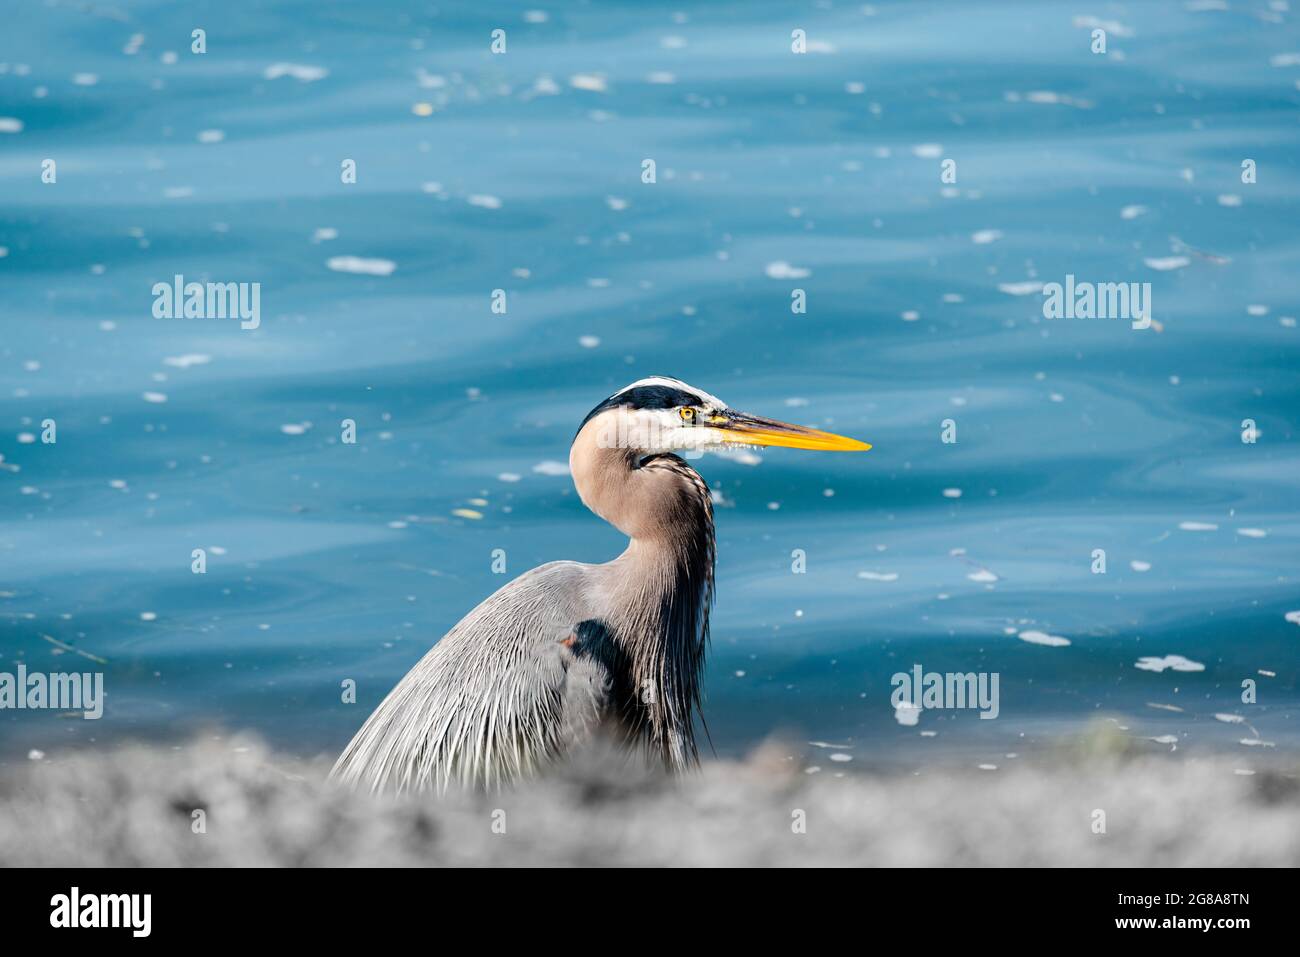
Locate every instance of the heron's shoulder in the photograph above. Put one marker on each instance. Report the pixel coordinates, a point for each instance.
(556, 571)
(553, 580)
(549, 596)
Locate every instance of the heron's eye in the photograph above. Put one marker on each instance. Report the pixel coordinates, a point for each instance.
(688, 414)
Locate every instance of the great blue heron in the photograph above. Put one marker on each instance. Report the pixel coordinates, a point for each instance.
(567, 648)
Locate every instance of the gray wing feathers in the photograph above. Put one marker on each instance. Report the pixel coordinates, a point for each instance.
(495, 699)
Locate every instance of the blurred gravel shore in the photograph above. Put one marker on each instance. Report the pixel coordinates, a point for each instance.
(134, 806)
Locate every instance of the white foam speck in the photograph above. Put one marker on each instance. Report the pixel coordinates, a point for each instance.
(365, 267)
(10, 124)
(985, 236)
(952, 493)
(738, 455)
(983, 575)
(156, 397)
(85, 79)
(1139, 566)
(324, 234)
(1230, 718)
(509, 477)
(1110, 26)
(211, 136)
(783, 270)
(1198, 526)
(928, 150)
(148, 616)
(879, 576)
(1293, 617)
(1026, 288)
(536, 16)
(300, 72)
(1165, 739)
(1132, 212)
(1252, 533)
(1172, 662)
(551, 467)
(545, 86)
(1043, 638)
(907, 714)
(295, 428)
(588, 342)
(594, 82)
(484, 200)
(841, 757)
(1046, 97)
(187, 360)
(1166, 263)
(661, 77)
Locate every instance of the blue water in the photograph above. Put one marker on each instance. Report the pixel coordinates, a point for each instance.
(329, 561)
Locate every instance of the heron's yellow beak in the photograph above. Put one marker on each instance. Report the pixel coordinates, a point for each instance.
(745, 429)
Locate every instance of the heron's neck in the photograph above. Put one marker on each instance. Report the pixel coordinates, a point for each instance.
(659, 590)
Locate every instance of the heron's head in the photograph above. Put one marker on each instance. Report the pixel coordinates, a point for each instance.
(659, 414)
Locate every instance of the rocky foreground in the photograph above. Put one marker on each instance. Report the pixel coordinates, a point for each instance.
(137, 806)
